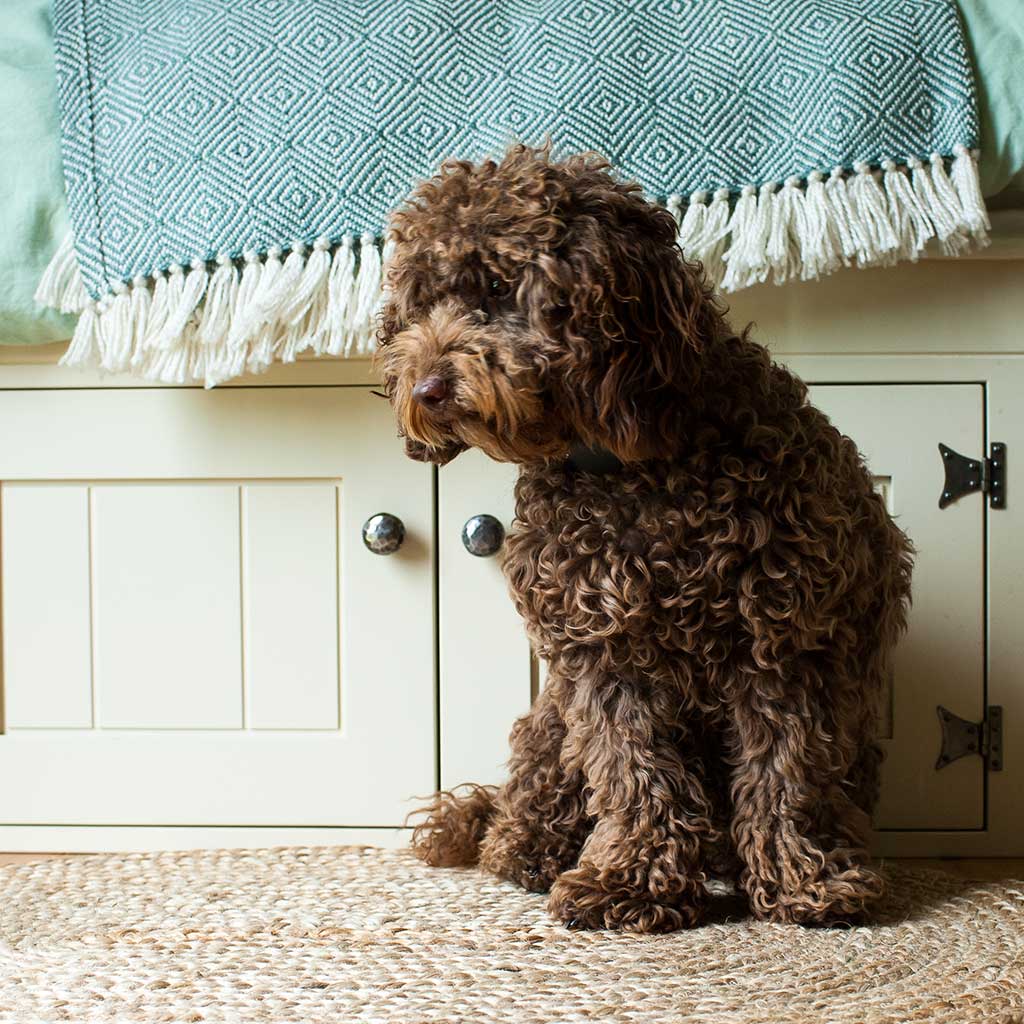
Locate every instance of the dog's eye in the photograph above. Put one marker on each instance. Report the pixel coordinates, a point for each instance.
(497, 295)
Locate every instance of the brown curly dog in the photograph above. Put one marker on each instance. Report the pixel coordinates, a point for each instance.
(698, 554)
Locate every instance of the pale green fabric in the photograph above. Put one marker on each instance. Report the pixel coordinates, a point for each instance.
(32, 211)
(995, 39)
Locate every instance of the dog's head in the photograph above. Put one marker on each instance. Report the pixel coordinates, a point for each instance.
(532, 303)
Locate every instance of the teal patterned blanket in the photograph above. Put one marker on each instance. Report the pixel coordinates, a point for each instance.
(230, 165)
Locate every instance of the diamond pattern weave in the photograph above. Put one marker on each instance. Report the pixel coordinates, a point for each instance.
(198, 127)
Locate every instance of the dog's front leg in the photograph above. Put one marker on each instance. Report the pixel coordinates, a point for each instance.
(799, 834)
(540, 819)
(641, 868)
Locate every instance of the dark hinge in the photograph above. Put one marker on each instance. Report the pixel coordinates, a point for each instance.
(960, 738)
(964, 475)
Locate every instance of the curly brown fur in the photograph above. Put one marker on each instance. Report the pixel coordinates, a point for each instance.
(717, 616)
(453, 826)
(541, 818)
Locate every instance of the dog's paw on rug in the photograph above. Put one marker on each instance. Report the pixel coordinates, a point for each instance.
(359, 934)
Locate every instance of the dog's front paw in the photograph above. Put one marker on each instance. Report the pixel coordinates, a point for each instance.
(839, 893)
(579, 900)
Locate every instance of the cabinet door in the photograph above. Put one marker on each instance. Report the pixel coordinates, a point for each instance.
(193, 630)
(485, 678)
(484, 655)
(941, 660)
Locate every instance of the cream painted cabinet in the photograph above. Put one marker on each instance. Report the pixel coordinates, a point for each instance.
(940, 662)
(198, 649)
(194, 633)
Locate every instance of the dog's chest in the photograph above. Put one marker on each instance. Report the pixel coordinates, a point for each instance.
(633, 554)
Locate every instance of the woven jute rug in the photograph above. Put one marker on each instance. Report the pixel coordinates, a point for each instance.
(363, 935)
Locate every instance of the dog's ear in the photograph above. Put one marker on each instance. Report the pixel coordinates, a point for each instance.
(629, 316)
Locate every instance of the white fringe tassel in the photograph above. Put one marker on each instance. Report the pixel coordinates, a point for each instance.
(212, 322)
(61, 286)
(807, 229)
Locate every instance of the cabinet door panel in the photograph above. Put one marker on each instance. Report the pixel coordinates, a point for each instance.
(47, 673)
(166, 605)
(249, 661)
(484, 655)
(292, 574)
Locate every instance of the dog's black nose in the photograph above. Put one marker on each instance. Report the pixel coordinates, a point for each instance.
(431, 392)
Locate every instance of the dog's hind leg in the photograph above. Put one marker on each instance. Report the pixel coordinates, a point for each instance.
(865, 778)
(797, 825)
(453, 825)
(642, 868)
(540, 819)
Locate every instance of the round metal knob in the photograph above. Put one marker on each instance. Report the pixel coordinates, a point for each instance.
(383, 533)
(482, 535)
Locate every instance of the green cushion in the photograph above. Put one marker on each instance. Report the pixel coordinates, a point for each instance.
(32, 213)
(995, 36)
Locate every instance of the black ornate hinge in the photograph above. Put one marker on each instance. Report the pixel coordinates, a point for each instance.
(960, 738)
(964, 475)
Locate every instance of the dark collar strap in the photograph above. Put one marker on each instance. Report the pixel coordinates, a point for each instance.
(598, 461)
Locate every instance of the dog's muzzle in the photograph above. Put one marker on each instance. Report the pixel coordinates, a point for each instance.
(439, 456)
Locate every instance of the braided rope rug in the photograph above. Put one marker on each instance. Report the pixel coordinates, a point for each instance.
(362, 935)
